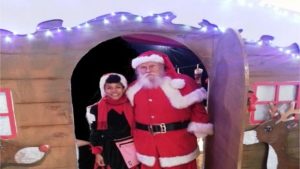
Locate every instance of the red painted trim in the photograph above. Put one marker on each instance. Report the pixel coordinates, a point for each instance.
(252, 120)
(276, 101)
(10, 114)
(297, 106)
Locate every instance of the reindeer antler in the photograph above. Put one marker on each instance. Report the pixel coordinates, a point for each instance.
(273, 110)
(285, 116)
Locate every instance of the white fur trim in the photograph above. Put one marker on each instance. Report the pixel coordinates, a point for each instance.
(200, 130)
(203, 93)
(168, 161)
(250, 137)
(104, 78)
(89, 116)
(28, 155)
(143, 59)
(177, 100)
(178, 160)
(177, 83)
(147, 160)
(132, 90)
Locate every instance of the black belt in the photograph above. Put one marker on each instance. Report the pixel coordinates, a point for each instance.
(162, 127)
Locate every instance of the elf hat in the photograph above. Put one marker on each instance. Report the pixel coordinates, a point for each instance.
(105, 77)
(155, 56)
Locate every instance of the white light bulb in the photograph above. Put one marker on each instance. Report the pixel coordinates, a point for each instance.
(7, 39)
(86, 25)
(48, 33)
(203, 29)
(288, 51)
(105, 21)
(259, 43)
(123, 18)
(139, 19)
(30, 36)
(159, 19)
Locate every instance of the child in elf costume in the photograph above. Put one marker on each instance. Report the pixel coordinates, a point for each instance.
(111, 122)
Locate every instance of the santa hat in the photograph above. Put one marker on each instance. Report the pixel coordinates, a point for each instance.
(104, 78)
(155, 56)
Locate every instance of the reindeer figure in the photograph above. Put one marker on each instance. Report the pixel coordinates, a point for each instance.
(274, 132)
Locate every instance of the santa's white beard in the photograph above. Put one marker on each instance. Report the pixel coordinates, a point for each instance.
(150, 82)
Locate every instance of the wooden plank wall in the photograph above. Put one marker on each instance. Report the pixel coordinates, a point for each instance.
(38, 72)
(39, 76)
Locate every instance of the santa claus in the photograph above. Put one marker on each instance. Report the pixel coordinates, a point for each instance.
(168, 113)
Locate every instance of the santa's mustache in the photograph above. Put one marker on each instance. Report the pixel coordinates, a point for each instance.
(144, 76)
(152, 82)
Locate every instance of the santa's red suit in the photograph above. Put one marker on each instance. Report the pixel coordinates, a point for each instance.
(168, 117)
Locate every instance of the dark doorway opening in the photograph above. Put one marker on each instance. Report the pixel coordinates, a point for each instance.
(115, 55)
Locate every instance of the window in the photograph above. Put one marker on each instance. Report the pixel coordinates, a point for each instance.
(7, 117)
(281, 94)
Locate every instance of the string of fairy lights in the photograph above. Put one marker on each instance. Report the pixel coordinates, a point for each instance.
(159, 19)
(108, 20)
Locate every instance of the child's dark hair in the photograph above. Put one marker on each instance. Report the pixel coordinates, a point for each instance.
(113, 79)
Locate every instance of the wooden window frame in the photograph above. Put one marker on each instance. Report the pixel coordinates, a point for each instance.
(10, 114)
(275, 101)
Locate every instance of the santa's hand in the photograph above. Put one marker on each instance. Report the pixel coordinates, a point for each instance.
(203, 93)
(200, 130)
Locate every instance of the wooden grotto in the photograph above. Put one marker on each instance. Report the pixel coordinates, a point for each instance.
(42, 76)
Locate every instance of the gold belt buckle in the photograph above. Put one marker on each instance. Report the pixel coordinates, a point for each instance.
(163, 128)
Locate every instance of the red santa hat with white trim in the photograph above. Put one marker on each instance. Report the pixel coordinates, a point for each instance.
(154, 56)
(159, 57)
